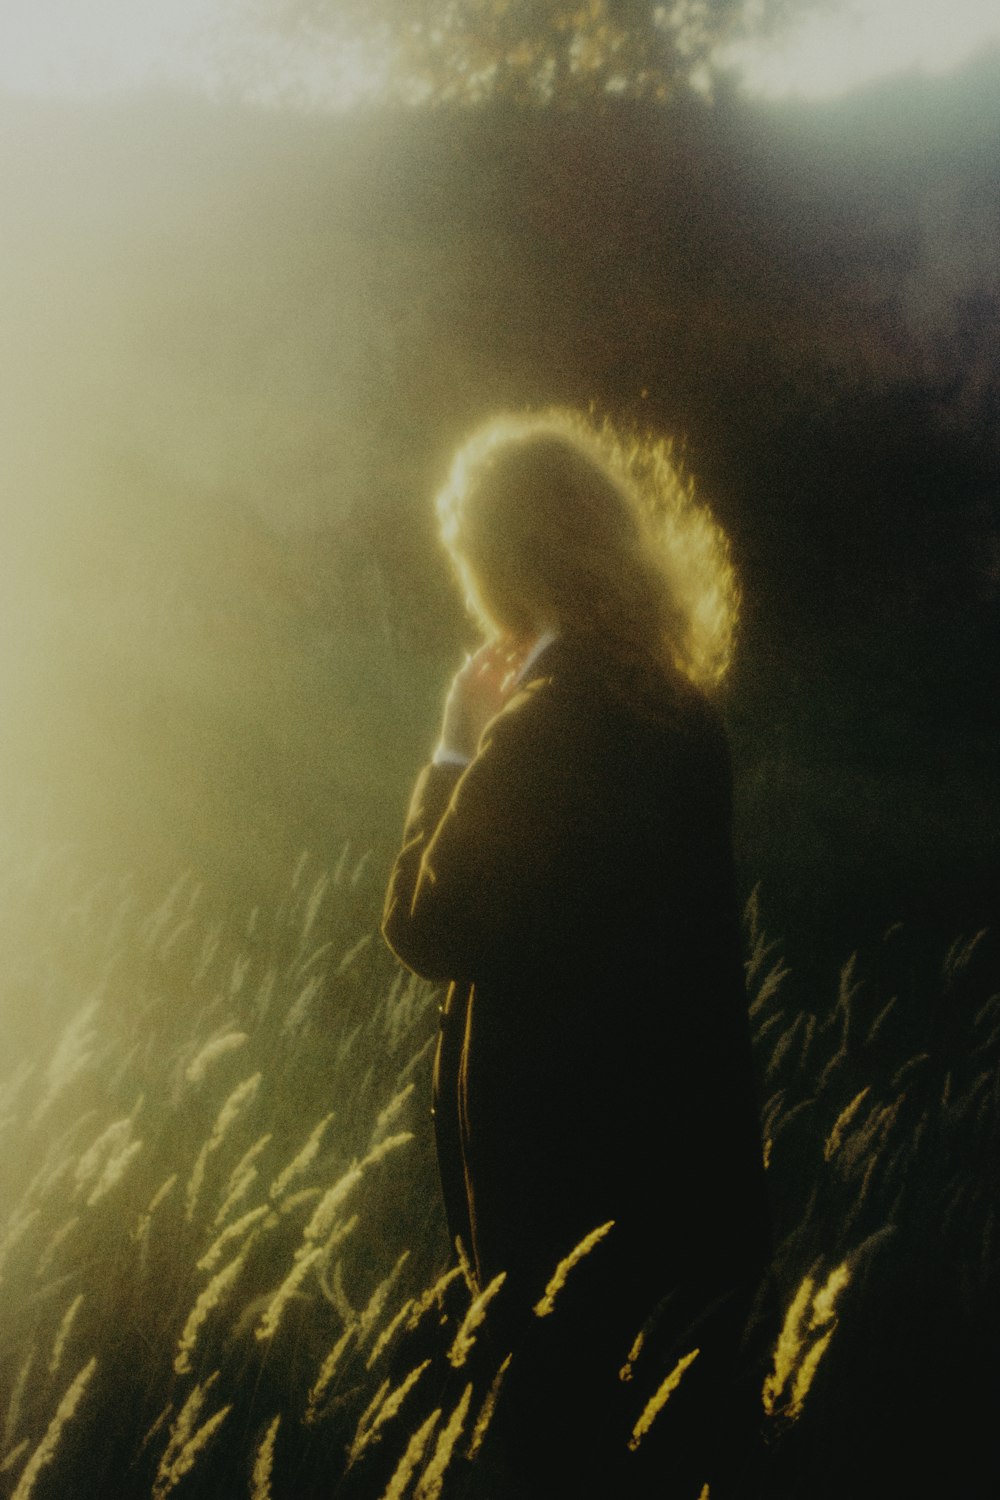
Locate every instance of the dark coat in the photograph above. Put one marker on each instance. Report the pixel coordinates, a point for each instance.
(575, 885)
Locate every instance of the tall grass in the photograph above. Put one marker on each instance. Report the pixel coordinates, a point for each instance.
(218, 1206)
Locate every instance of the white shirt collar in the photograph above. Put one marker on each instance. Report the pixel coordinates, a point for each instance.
(543, 642)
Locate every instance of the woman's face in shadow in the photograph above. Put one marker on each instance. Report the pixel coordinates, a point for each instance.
(499, 612)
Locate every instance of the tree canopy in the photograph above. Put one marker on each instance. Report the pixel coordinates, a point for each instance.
(563, 53)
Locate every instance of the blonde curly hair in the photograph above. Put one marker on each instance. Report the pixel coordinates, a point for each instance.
(553, 520)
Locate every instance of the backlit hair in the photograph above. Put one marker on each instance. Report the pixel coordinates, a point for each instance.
(552, 520)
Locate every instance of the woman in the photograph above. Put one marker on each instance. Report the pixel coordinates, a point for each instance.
(567, 867)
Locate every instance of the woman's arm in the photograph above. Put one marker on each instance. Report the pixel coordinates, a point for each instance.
(428, 804)
(457, 893)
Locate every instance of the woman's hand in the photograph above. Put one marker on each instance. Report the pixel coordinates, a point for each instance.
(478, 691)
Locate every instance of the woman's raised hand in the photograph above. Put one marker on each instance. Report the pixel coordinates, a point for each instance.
(478, 691)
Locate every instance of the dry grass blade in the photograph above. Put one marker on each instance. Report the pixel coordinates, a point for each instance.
(263, 1467)
(383, 1148)
(842, 1121)
(182, 1435)
(235, 1193)
(102, 1150)
(412, 1455)
(387, 1408)
(328, 1370)
(389, 1332)
(434, 1296)
(771, 982)
(302, 1161)
(796, 1359)
(367, 1417)
(325, 1213)
(19, 1226)
(327, 1209)
(73, 1055)
(163, 1192)
(245, 1165)
(805, 1373)
(220, 1046)
(432, 1479)
(825, 1300)
(63, 1333)
(289, 1288)
(391, 1112)
(239, 1100)
(545, 1306)
(46, 1450)
(376, 1302)
(114, 1171)
(487, 1409)
(319, 890)
(214, 1293)
(12, 1418)
(788, 1347)
(186, 1458)
(660, 1397)
(233, 1232)
(55, 1244)
(625, 1373)
(13, 1458)
(465, 1338)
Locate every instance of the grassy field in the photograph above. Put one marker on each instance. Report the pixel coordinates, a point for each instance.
(223, 1260)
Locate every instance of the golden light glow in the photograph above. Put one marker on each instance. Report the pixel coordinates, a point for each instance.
(690, 550)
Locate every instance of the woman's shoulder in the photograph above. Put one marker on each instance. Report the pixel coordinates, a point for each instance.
(613, 678)
(596, 702)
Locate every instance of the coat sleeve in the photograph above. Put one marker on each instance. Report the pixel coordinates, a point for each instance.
(471, 853)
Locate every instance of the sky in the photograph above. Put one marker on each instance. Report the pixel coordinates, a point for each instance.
(865, 40)
(65, 47)
(60, 47)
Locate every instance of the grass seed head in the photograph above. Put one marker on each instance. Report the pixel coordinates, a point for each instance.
(213, 1295)
(465, 1338)
(219, 1046)
(233, 1232)
(287, 1291)
(659, 1399)
(432, 1479)
(186, 1458)
(487, 1409)
(63, 1332)
(327, 1371)
(46, 1450)
(545, 1306)
(263, 1466)
(412, 1455)
(114, 1171)
(387, 1408)
(302, 1161)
